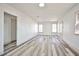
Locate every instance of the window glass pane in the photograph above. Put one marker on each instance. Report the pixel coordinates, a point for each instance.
(36, 27)
(40, 28)
(58, 27)
(61, 27)
(53, 27)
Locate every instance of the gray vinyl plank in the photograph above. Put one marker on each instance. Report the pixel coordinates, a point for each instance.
(43, 46)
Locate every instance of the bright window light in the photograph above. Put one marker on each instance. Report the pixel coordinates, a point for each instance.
(36, 27)
(54, 28)
(40, 28)
(61, 27)
(58, 27)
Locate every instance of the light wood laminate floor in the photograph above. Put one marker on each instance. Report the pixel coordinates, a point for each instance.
(44, 46)
(10, 47)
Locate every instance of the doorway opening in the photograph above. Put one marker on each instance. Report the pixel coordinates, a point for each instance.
(10, 32)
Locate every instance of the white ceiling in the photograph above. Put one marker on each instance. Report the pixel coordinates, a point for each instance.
(49, 12)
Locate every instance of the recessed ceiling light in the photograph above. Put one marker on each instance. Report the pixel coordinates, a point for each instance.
(41, 5)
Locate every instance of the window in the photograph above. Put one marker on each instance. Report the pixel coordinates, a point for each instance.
(40, 28)
(54, 29)
(36, 27)
(59, 27)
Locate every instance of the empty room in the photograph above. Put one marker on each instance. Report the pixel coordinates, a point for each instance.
(39, 29)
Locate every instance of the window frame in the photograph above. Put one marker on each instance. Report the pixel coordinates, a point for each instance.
(55, 30)
(41, 28)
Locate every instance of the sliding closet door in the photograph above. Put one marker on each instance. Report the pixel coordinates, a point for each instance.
(13, 28)
(7, 28)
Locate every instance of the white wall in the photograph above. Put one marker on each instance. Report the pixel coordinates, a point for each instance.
(47, 28)
(1, 31)
(69, 26)
(25, 25)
